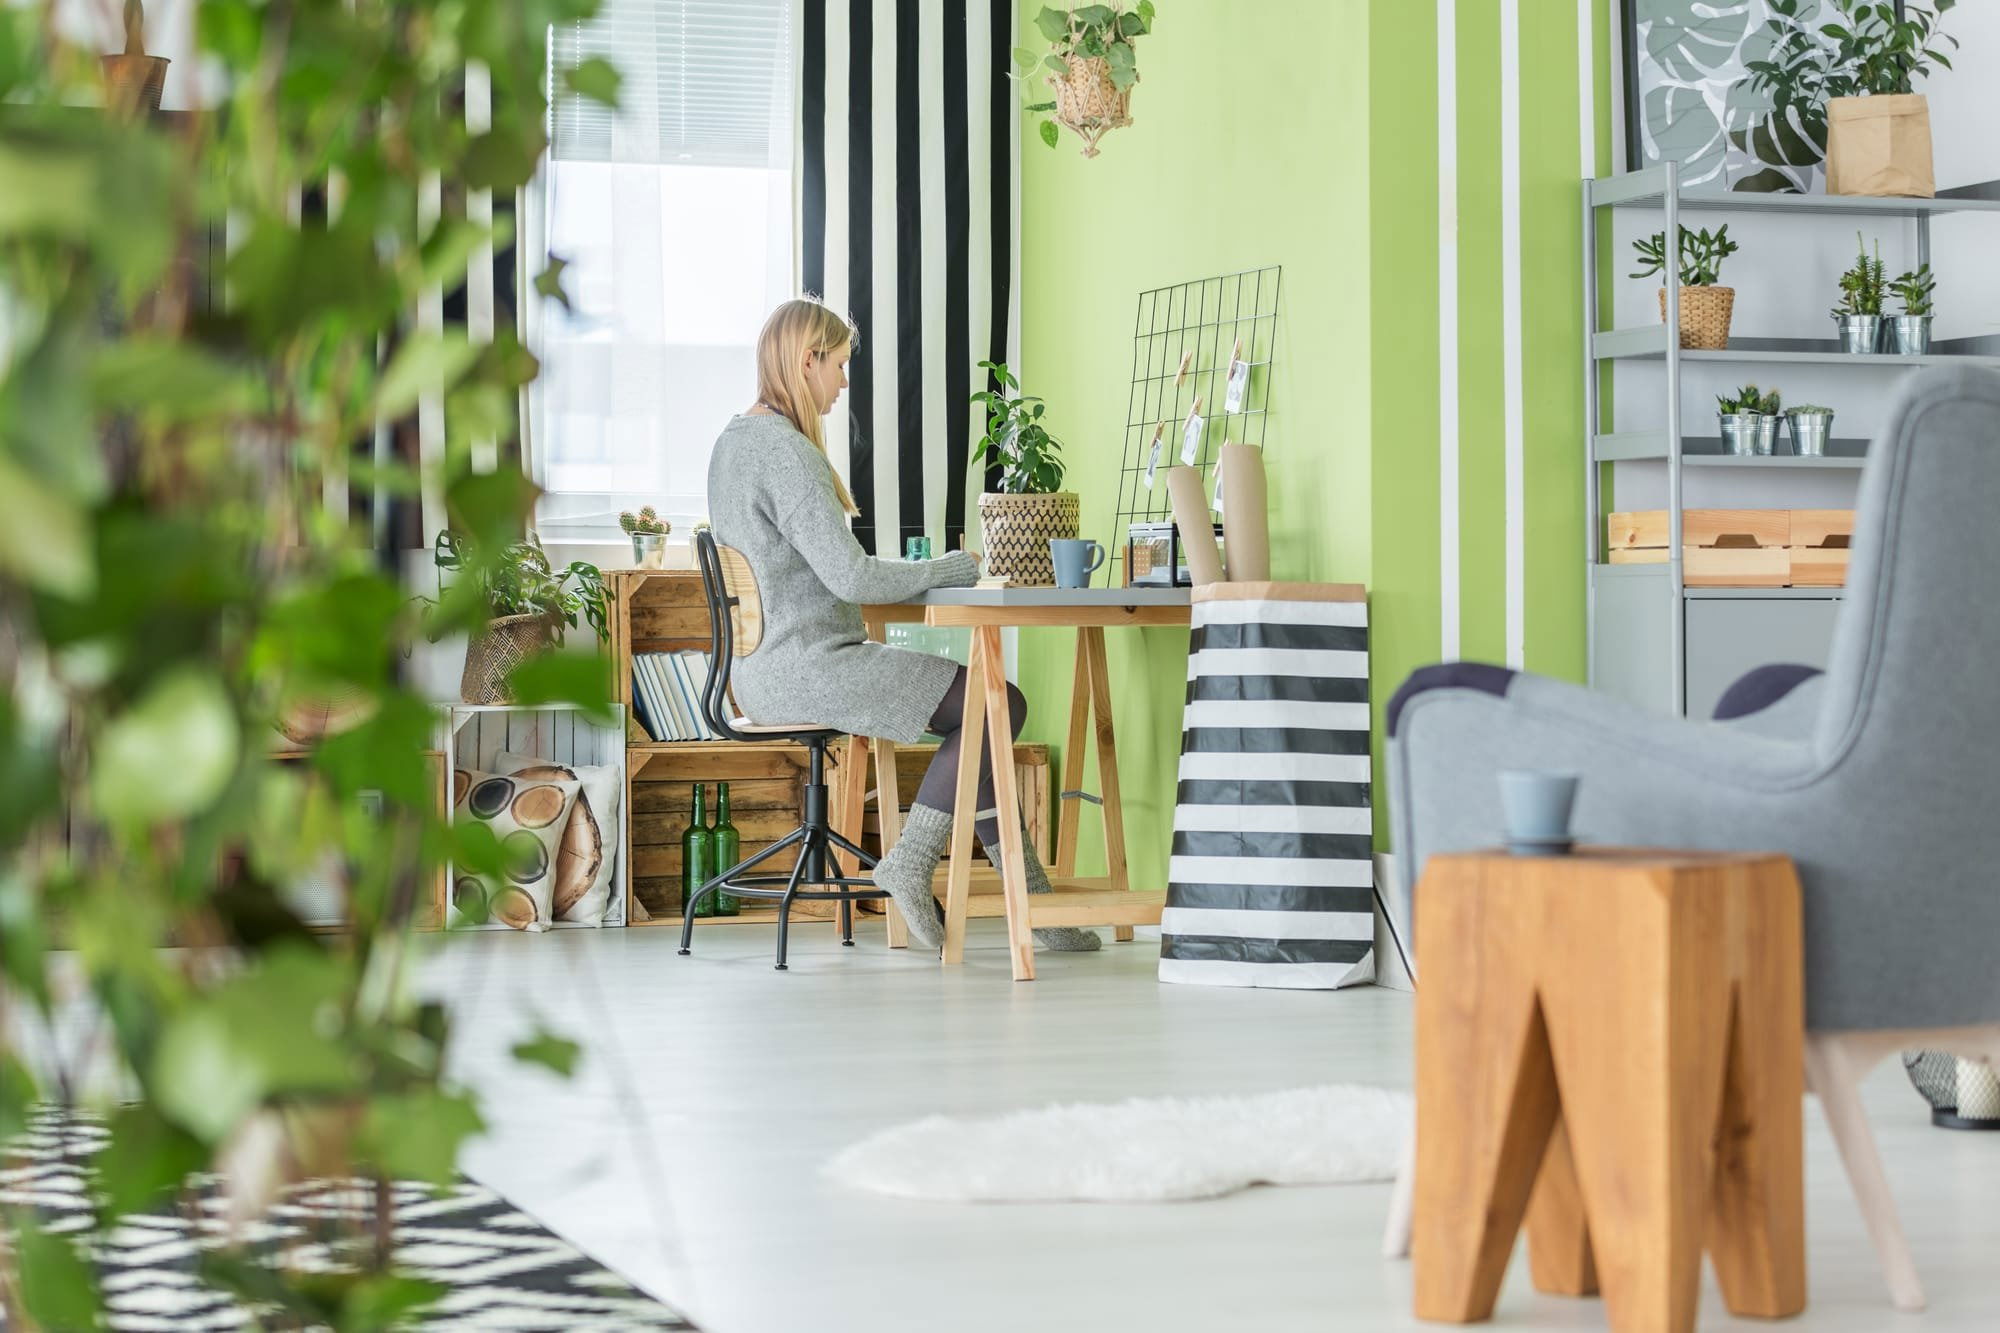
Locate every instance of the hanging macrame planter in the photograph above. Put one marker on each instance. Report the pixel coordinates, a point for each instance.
(1088, 102)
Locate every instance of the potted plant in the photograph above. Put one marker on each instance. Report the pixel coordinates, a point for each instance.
(1030, 509)
(1849, 83)
(1912, 328)
(1859, 313)
(648, 532)
(1749, 420)
(528, 607)
(1811, 426)
(1090, 65)
(1705, 307)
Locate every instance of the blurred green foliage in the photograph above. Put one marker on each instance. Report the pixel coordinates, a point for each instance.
(170, 582)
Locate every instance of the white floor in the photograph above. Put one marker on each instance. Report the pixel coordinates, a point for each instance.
(686, 1152)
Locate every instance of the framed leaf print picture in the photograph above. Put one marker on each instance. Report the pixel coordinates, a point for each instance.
(1690, 97)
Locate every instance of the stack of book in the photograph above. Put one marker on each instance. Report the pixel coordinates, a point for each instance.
(666, 695)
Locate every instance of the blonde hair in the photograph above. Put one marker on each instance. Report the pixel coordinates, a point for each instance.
(794, 329)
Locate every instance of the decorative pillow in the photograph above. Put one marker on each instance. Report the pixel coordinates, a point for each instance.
(528, 816)
(587, 857)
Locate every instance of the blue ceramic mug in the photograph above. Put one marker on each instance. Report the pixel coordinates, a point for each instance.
(1075, 561)
(1536, 806)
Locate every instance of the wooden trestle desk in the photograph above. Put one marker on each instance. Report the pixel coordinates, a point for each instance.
(1097, 901)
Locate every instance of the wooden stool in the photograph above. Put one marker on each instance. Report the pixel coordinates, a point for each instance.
(1628, 1026)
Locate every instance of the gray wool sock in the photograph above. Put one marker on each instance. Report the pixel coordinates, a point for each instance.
(1060, 939)
(907, 870)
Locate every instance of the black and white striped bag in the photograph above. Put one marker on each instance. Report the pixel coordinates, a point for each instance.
(1272, 881)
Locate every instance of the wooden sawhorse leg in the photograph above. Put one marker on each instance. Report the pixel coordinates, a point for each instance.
(1090, 715)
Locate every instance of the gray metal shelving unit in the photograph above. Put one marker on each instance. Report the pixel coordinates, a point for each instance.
(1640, 616)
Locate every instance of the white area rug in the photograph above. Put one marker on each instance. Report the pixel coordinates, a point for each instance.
(1145, 1150)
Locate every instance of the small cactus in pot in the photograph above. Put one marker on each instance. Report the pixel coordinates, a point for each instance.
(648, 532)
(1749, 420)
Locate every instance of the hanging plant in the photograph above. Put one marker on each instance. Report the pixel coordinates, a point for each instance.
(1090, 65)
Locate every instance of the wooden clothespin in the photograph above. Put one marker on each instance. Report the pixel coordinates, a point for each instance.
(1187, 359)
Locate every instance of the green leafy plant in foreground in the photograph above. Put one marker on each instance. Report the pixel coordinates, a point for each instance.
(1084, 32)
(171, 575)
(1016, 441)
(1701, 255)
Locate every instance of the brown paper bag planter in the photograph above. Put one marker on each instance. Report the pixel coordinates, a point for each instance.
(1880, 145)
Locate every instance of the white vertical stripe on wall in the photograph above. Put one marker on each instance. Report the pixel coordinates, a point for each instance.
(430, 402)
(1586, 84)
(1510, 316)
(931, 229)
(979, 205)
(884, 431)
(1447, 130)
(838, 46)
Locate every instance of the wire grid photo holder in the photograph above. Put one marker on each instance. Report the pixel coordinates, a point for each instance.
(1185, 340)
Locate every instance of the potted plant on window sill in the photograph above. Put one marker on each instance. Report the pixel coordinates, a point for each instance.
(528, 607)
(1705, 307)
(648, 532)
(1017, 522)
(1090, 66)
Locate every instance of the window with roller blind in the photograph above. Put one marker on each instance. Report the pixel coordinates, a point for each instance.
(673, 215)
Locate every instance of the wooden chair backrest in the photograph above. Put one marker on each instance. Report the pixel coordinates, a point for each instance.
(746, 617)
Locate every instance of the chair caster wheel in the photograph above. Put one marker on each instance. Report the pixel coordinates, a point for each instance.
(781, 968)
(686, 952)
(847, 944)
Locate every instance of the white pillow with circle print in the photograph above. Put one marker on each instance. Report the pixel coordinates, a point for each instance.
(527, 816)
(587, 855)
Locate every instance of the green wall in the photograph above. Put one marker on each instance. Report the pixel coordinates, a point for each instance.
(1303, 133)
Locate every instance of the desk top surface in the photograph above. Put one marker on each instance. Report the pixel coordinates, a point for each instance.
(1090, 597)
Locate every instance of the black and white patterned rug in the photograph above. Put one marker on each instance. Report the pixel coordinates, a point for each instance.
(500, 1267)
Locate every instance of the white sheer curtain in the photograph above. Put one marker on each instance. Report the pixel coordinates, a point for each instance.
(674, 217)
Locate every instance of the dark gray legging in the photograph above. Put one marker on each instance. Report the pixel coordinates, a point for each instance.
(940, 785)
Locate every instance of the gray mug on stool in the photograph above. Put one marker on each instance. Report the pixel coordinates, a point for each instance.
(1075, 561)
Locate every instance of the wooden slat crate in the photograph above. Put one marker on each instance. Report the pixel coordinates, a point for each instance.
(1721, 566)
(1647, 528)
(1819, 566)
(1822, 527)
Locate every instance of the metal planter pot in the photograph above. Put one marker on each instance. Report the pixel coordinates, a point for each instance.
(1745, 433)
(1911, 334)
(649, 550)
(1810, 432)
(1859, 333)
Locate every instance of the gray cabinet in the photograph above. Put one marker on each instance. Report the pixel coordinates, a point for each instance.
(1730, 632)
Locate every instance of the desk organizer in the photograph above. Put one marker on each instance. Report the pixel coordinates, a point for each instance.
(1272, 878)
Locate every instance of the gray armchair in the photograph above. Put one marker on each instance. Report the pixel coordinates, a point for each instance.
(1881, 777)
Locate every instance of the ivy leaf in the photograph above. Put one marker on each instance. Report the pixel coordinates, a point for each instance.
(57, 1286)
(170, 754)
(595, 78)
(416, 1135)
(146, 1159)
(44, 536)
(549, 1051)
(566, 678)
(1053, 23)
(1049, 133)
(427, 362)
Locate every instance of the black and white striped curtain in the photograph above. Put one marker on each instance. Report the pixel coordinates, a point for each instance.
(1272, 878)
(909, 135)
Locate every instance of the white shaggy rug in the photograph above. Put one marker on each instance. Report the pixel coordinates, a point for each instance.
(1145, 1150)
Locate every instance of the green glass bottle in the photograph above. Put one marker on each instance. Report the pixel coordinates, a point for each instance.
(728, 851)
(698, 854)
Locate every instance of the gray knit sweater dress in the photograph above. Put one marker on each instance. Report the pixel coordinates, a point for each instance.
(770, 495)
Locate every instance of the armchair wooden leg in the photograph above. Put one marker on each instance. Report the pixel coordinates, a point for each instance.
(1834, 1072)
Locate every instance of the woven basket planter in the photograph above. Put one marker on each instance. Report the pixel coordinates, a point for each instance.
(1016, 530)
(1088, 102)
(1705, 315)
(491, 656)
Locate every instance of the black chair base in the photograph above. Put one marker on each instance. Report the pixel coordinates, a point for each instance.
(814, 876)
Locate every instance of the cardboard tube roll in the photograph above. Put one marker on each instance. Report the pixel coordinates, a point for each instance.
(1246, 527)
(1197, 531)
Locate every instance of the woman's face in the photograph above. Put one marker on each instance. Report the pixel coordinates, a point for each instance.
(826, 372)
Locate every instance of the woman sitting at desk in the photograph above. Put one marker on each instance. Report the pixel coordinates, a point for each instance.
(773, 496)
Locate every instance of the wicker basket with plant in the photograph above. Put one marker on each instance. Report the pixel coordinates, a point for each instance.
(1705, 307)
(527, 606)
(1030, 509)
(1090, 65)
